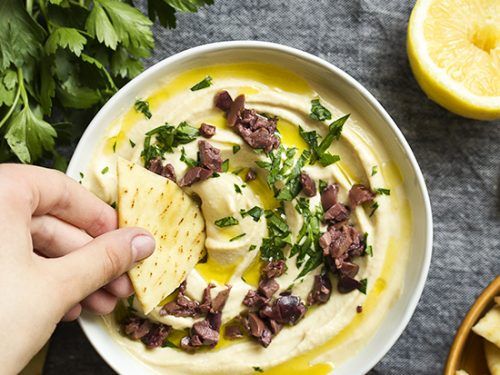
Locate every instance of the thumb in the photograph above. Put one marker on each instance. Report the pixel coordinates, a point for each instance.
(103, 260)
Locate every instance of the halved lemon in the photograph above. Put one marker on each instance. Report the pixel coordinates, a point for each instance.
(454, 52)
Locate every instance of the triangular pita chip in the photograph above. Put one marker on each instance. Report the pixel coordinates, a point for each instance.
(157, 204)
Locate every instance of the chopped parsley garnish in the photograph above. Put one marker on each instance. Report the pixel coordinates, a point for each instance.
(318, 112)
(113, 205)
(236, 148)
(189, 161)
(322, 185)
(383, 191)
(374, 170)
(82, 175)
(374, 207)
(105, 170)
(203, 84)
(237, 237)
(281, 168)
(226, 222)
(132, 143)
(168, 344)
(130, 303)
(255, 212)
(143, 107)
(114, 147)
(278, 235)
(165, 138)
(252, 247)
(237, 189)
(307, 248)
(363, 285)
(369, 250)
(225, 165)
(319, 149)
(257, 369)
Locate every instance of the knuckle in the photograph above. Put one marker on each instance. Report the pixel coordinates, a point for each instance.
(104, 221)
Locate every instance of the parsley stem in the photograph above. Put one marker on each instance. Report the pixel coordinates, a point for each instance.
(29, 6)
(16, 98)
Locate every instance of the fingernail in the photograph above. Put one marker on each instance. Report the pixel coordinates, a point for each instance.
(142, 246)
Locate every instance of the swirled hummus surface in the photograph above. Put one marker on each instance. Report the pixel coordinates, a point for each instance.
(333, 328)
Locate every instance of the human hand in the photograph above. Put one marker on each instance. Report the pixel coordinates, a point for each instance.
(59, 251)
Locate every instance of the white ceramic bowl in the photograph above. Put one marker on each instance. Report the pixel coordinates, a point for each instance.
(313, 69)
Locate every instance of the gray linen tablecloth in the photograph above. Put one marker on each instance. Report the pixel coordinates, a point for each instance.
(459, 157)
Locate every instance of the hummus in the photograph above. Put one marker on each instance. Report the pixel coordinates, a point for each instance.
(328, 333)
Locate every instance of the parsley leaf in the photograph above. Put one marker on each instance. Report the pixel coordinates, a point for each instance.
(165, 138)
(307, 248)
(28, 135)
(225, 165)
(65, 37)
(132, 143)
(168, 344)
(363, 285)
(374, 207)
(369, 250)
(319, 151)
(279, 236)
(255, 212)
(257, 369)
(189, 162)
(318, 112)
(374, 170)
(383, 191)
(237, 189)
(226, 222)
(236, 148)
(105, 170)
(237, 237)
(203, 84)
(143, 107)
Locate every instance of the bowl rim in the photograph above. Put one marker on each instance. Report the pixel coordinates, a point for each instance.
(354, 85)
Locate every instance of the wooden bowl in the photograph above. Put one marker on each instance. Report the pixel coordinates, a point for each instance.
(467, 351)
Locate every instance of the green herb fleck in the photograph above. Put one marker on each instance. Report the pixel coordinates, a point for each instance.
(255, 212)
(113, 205)
(237, 237)
(318, 112)
(257, 369)
(369, 250)
(319, 151)
(374, 170)
(363, 285)
(225, 165)
(383, 191)
(309, 253)
(143, 107)
(203, 84)
(130, 303)
(226, 222)
(374, 207)
(105, 170)
(114, 147)
(168, 344)
(279, 235)
(236, 148)
(187, 160)
(132, 143)
(252, 247)
(237, 189)
(165, 138)
(322, 185)
(82, 175)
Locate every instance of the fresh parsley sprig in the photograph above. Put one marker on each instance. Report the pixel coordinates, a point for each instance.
(319, 149)
(164, 139)
(59, 56)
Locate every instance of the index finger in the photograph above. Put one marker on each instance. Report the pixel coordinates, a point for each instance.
(52, 192)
